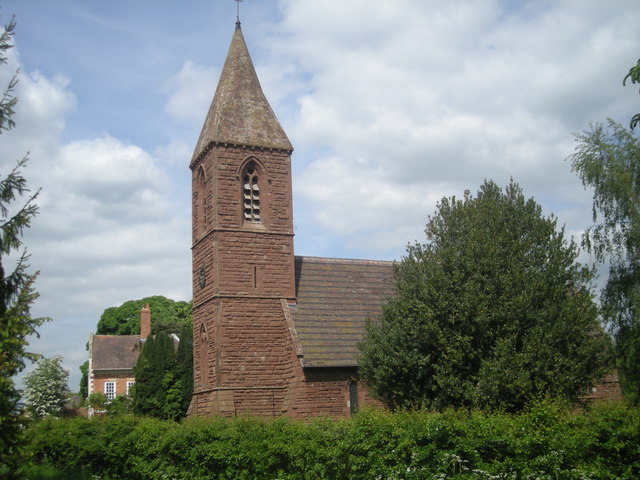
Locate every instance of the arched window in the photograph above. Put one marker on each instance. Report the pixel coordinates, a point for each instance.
(201, 200)
(251, 193)
(204, 357)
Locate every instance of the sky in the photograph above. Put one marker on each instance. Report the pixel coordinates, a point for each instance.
(390, 105)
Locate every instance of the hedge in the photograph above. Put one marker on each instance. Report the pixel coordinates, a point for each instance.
(547, 441)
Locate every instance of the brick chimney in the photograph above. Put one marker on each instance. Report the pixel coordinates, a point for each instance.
(145, 321)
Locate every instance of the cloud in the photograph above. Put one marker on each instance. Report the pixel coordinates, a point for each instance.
(414, 101)
(106, 222)
(108, 229)
(192, 92)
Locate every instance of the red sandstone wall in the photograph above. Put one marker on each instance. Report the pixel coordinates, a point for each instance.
(222, 193)
(248, 356)
(244, 263)
(243, 353)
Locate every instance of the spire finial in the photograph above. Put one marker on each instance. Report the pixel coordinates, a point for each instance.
(238, 12)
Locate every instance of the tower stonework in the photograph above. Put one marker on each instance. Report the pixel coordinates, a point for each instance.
(243, 260)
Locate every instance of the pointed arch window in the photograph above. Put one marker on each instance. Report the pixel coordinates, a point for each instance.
(251, 193)
(201, 201)
(204, 357)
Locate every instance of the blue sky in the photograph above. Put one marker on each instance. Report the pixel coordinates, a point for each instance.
(390, 105)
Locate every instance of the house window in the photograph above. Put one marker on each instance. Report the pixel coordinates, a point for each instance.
(129, 385)
(251, 194)
(110, 390)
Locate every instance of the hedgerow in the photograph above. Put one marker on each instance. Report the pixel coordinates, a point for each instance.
(547, 441)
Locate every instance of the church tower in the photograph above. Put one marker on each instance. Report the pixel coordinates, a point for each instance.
(243, 259)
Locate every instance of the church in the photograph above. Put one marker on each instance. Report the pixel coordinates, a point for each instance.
(273, 333)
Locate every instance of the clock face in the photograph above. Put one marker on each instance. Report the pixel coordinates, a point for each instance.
(201, 277)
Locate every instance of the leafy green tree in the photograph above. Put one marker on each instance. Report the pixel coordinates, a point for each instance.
(608, 160)
(121, 405)
(492, 311)
(97, 401)
(168, 316)
(634, 76)
(17, 292)
(46, 387)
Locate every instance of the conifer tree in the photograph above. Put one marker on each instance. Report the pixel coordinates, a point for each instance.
(17, 292)
(164, 377)
(184, 368)
(156, 360)
(148, 381)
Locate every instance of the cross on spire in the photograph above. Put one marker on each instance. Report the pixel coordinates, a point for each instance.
(238, 11)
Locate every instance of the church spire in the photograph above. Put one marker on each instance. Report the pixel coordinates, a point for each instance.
(240, 113)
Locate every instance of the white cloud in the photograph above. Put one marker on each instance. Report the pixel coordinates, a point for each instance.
(107, 222)
(192, 92)
(176, 154)
(421, 100)
(108, 230)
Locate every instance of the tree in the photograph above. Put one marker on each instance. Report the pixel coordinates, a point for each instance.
(168, 316)
(608, 160)
(184, 369)
(164, 377)
(153, 367)
(634, 76)
(46, 387)
(17, 292)
(121, 405)
(84, 380)
(492, 311)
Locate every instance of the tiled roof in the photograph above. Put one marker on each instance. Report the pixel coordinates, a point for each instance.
(111, 352)
(240, 113)
(334, 299)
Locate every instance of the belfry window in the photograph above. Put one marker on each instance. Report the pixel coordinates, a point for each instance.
(251, 194)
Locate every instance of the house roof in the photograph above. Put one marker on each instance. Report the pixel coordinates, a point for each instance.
(115, 352)
(334, 299)
(240, 113)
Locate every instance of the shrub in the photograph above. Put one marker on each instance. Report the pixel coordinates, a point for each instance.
(549, 440)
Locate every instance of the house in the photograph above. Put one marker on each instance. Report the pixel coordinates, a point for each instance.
(273, 333)
(112, 358)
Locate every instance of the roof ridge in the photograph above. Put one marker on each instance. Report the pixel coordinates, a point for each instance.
(344, 260)
(115, 336)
